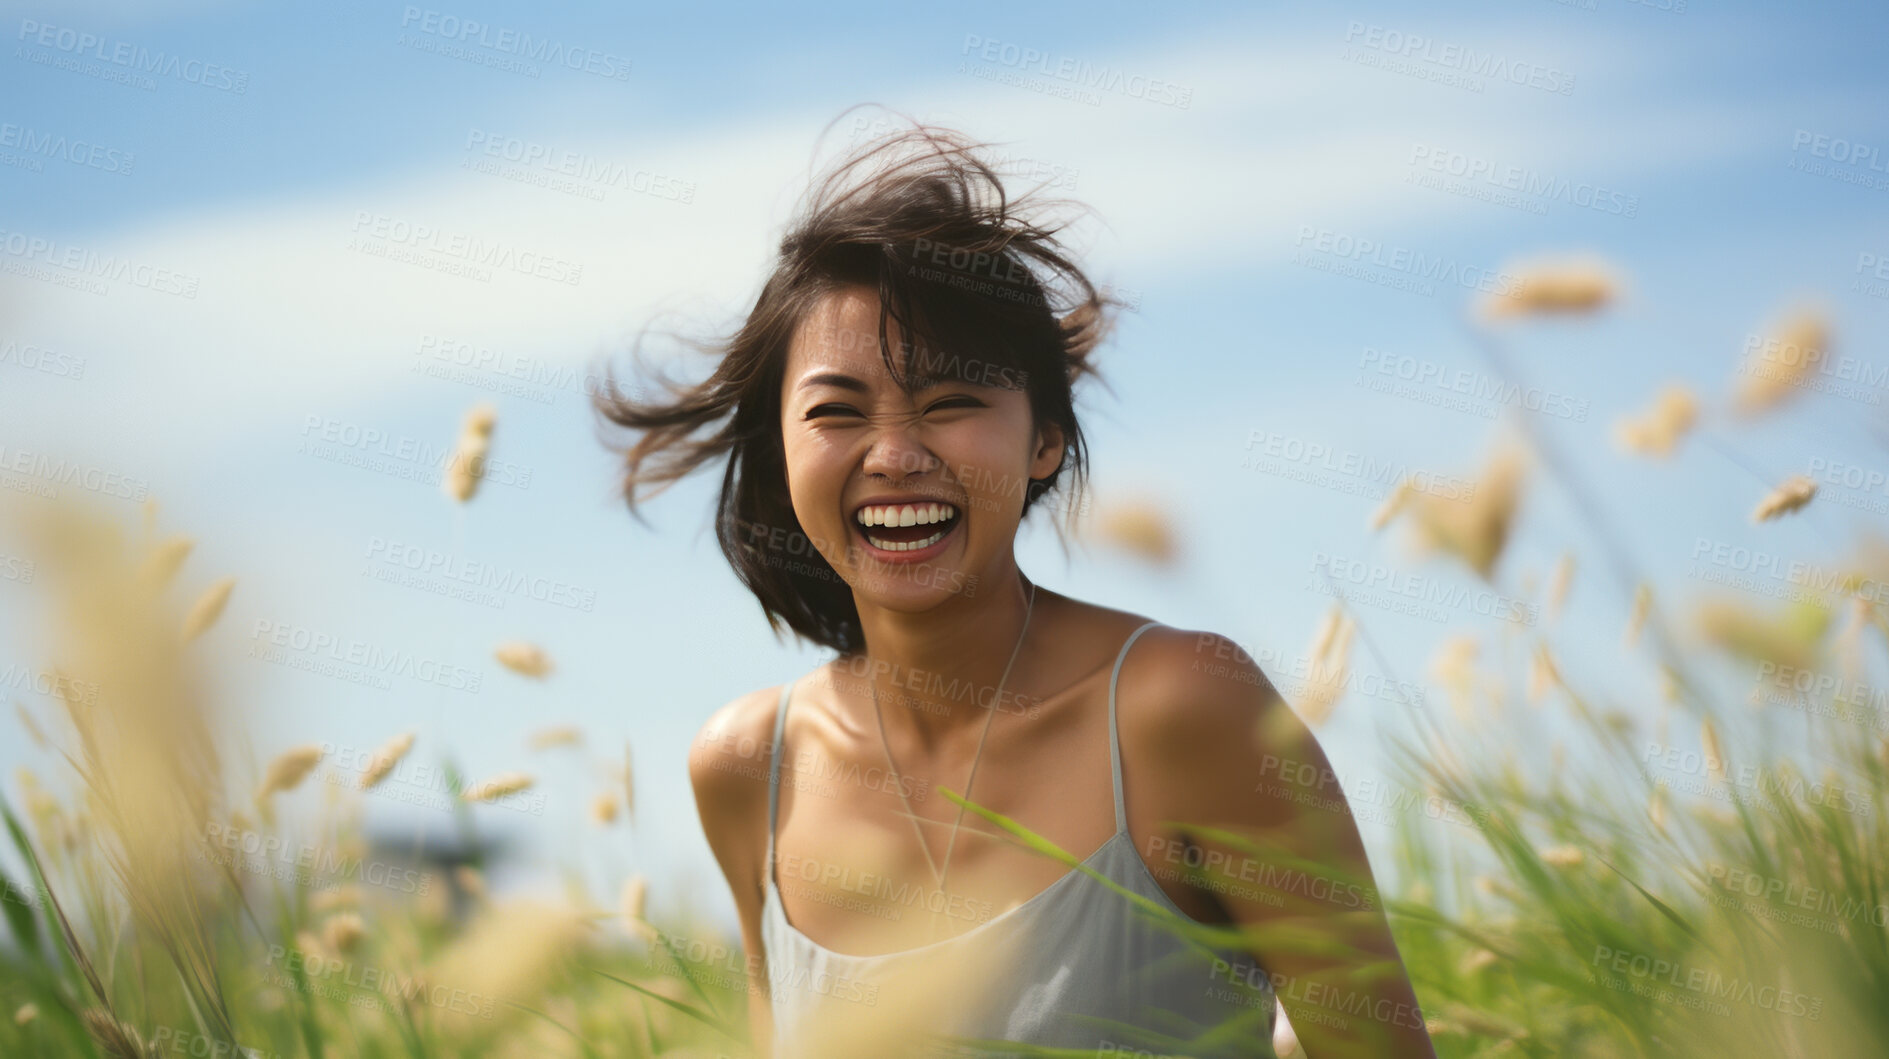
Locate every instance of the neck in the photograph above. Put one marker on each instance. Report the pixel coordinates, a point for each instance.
(938, 673)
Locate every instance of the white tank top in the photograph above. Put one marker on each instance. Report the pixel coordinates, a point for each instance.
(1081, 967)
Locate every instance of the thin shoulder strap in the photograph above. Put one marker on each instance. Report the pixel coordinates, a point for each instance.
(1114, 738)
(774, 771)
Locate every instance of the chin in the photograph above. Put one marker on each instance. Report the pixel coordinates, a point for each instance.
(911, 581)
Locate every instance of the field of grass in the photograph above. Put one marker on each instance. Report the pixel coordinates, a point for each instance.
(1679, 881)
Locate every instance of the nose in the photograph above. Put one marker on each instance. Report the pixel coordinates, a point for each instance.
(895, 449)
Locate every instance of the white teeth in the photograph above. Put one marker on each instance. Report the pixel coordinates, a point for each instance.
(904, 514)
(907, 546)
(924, 514)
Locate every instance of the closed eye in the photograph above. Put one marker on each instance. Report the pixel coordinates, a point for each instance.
(959, 401)
(819, 410)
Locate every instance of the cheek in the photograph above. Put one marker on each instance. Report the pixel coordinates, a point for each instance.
(803, 454)
(816, 476)
(987, 464)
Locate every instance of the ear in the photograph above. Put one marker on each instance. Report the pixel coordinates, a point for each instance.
(1049, 451)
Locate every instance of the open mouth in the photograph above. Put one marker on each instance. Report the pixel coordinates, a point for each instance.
(906, 527)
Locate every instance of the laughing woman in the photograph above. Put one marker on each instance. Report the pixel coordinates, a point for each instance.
(897, 401)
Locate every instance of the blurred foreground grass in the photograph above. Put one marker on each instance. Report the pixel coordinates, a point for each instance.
(1670, 883)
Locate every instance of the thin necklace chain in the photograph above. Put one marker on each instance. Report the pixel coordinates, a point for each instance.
(899, 784)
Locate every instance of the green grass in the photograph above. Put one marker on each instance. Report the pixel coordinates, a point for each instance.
(1600, 902)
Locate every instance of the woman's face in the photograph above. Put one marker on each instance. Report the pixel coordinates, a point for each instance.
(958, 453)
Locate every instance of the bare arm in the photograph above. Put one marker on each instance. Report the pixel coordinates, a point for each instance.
(732, 804)
(1233, 758)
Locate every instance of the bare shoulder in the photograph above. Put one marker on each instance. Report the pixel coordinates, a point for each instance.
(732, 747)
(1205, 716)
(728, 769)
(1176, 683)
(1189, 684)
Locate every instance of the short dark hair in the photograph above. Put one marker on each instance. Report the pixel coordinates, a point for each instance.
(917, 216)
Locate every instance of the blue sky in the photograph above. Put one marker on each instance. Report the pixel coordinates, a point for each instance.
(1300, 130)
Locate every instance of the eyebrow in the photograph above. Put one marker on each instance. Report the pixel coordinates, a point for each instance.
(835, 378)
(844, 381)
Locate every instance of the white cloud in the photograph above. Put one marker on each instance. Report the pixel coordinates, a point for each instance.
(1276, 134)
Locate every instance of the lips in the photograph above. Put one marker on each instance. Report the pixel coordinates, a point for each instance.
(898, 531)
